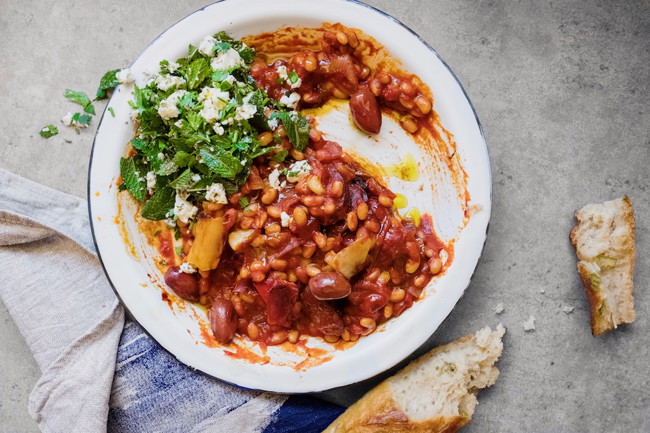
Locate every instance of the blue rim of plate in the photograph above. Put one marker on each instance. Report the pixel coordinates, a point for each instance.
(92, 151)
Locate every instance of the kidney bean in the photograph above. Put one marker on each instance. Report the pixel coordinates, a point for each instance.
(329, 285)
(365, 111)
(184, 285)
(324, 315)
(223, 320)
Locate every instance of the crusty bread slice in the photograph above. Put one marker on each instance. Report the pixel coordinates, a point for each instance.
(434, 394)
(604, 242)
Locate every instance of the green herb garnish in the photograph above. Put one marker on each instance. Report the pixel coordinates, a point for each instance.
(110, 110)
(80, 98)
(108, 82)
(48, 131)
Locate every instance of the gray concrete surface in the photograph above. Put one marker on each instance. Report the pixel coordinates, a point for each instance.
(561, 88)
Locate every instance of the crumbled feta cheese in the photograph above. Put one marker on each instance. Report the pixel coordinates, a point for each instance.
(285, 219)
(297, 170)
(183, 209)
(216, 193)
(529, 325)
(67, 121)
(245, 112)
(187, 268)
(290, 100)
(499, 308)
(161, 156)
(568, 309)
(227, 60)
(297, 84)
(273, 123)
(218, 129)
(124, 76)
(168, 109)
(179, 123)
(196, 177)
(165, 82)
(206, 47)
(173, 66)
(274, 180)
(230, 79)
(214, 100)
(282, 72)
(151, 181)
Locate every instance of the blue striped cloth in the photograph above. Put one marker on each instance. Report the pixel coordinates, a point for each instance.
(154, 392)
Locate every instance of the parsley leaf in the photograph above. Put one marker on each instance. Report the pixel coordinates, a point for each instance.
(108, 82)
(158, 206)
(81, 118)
(132, 179)
(48, 131)
(222, 163)
(280, 156)
(197, 72)
(293, 77)
(80, 98)
(243, 202)
(297, 129)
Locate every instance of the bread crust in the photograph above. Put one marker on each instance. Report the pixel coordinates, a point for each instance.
(609, 306)
(377, 411)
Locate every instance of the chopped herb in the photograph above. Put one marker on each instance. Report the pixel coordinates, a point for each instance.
(158, 206)
(48, 131)
(132, 179)
(280, 156)
(108, 82)
(83, 119)
(178, 250)
(293, 77)
(297, 129)
(243, 202)
(110, 110)
(80, 98)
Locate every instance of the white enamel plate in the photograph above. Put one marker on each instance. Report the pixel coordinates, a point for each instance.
(317, 367)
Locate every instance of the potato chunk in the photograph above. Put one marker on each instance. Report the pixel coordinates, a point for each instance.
(209, 240)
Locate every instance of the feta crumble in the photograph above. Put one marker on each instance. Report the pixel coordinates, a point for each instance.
(499, 308)
(273, 123)
(206, 47)
(568, 309)
(216, 193)
(529, 325)
(245, 112)
(274, 180)
(291, 100)
(124, 76)
(297, 170)
(168, 109)
(151, 181)
(183, 209)
(282, 72)
(227, 60)
(187, 268)
(165, 82)
(218, 129)
(196, 177)
(214, 100)
(173, 66)
(285, 219)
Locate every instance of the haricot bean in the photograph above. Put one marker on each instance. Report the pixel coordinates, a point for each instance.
(223, 320)
(329, 285)
(365, 111)
(184, 285)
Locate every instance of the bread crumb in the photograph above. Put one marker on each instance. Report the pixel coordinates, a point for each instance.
(499, 308)
(529, 325)
(568, 309)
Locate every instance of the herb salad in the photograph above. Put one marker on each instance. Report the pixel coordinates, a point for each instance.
(198, 122)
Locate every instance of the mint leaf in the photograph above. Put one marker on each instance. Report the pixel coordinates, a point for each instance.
(222, 47)
(297, 129)
(158, 206)
(197, 71)
(139, 144)
(220, 75)
(132, 179)
(183, 181)
(293, 77)
(48, 131)
(222, 163)
(81, 118)
(247, 54)
(110, 110)
(80, 98)
(243, 202)
(184, 159)
(108, 82)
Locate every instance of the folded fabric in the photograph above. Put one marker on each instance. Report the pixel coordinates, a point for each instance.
(98, 373)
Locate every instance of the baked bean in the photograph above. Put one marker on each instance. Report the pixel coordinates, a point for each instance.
(279, 337)
(312, 271)
(265, 138)
(293, 336)
(397, 295)
(329, 285)
(269, 196)
(362, 211)
(329, 207)
(406, 102)
(423, 103)
(367, 322)
(342, 38)
(311, 64)
(331, 338)
(435, 265)
(273, 228)
(253, 331)
(407, 88)
(223, 320)
(385, 201)
(279, 264)
(336, 189)
(184, 285)
(315, 185)
(353, 40)
(312, 200)
(409, 124)
(351, 221)
(308, 250)
(365, 111)
(274, 211)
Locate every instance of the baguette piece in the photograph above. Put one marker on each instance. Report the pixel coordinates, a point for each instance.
(604, 243)
(434, 394)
